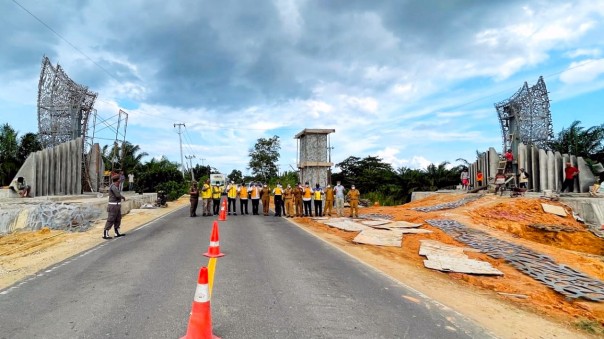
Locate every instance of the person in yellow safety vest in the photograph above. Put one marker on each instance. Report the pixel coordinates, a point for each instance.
(255, 196)
(206, 199)
(306, 199)
(278, 199)
(298, 192)
(216, 194)
(288, 196)
(265, 195)
(242, 192)
(232, 197)
(353, 196)
(317, 195)
(329, 196)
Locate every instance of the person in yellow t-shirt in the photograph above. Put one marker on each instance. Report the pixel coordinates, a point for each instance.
(232, 197)
(278, 199)
(317, 195)
(216, 195)
(255, 196)
(306, 199)
(206, 199)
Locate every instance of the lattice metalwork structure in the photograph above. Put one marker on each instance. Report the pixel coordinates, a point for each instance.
(525, 117)
(63, 106)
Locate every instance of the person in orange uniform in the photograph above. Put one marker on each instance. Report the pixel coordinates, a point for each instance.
(298, 192)
(306, 199)
(255, 196)
(329, 197)
(353, 197)
(479, 178)
(265, 196)
(288, 196)
(206, 199)
(232, 197)
(243, 196)
(194, 199)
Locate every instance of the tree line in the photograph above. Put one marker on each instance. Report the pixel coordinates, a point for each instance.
(376, 179)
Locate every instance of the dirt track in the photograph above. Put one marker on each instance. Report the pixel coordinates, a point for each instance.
(540, 312)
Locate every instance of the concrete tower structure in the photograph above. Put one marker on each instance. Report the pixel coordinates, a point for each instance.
(314, 156)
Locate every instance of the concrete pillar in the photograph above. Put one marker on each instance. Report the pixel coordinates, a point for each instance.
(542, 170)
(551, 171)
(522, 156)
(573, 161)
(80, 154)
(493, 162)
(535, 169)
(558, 166)
(586, 177)
(64, 167)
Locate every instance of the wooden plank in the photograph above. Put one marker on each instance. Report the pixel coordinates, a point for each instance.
(379, 238)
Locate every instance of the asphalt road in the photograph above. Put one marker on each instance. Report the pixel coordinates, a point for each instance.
(275, 281)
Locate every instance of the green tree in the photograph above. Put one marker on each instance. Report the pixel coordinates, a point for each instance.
(236, 176)
(580, 141)
(126, 157)
(163, 175)
(28, 143)
(9, 146)
(264, 157)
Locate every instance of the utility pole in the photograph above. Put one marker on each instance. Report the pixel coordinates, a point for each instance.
(189, 157)
(182, 161)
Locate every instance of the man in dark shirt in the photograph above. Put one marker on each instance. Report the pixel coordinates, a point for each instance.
(194, 199)
(114, 209)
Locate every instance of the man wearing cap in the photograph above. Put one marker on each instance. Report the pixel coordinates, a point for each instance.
(353, 196)
(328, 200)
(193, 199)
(339, 191)
(232, 197)
(255, 196)
(206, 198)
(288, 196)
(114, 210)
(265, 195)
(298, 191)
(242, 192)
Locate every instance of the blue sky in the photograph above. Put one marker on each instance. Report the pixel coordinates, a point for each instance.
(412, 82)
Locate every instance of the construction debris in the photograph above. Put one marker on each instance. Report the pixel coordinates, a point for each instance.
(379, 237)
(449, 258)
(561, 278)
(345, 224)
(553, 209)
(553, 228)
(448, 205)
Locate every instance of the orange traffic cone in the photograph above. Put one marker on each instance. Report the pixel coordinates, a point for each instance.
(214, 248)
(222, 214)
(200, 321)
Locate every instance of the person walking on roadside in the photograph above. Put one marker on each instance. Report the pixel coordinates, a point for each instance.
(114, 209)
(353, 198)
(232, 197)
(298, 192)
(265, 196)
(339, 191)
(288, 196)
(317, 194)
(570, 172)
(278, 199)
(243, 196)
(465, 179)
(216, 195)
(206, 199)
(329, 196)
(255, 196)
(306, 199)
(193, 199)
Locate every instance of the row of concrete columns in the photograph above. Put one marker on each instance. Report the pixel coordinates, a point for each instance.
(545, 168)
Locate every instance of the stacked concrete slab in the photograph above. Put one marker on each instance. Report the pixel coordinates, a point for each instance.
(58, 170)
(545, 168)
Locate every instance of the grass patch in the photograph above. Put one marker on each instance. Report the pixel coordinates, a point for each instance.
(590, 326)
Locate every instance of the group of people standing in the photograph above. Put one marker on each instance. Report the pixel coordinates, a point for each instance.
(289, 202)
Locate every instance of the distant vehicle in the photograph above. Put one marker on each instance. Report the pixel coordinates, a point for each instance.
(218, 179)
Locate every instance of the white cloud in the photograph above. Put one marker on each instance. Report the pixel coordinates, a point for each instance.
(592, 52)
(583, 71)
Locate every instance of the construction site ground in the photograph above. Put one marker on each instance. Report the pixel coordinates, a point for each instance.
(511, 306)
